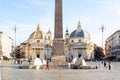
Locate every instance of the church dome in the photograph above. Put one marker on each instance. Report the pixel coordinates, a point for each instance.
(80, 32)
(37, 34)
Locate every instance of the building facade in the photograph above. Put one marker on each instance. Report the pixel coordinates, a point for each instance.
(38, 43)
(78, 43)
(112, 45)
(5, 45)
(75, 44)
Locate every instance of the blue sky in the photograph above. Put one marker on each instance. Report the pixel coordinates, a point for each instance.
(26, 14)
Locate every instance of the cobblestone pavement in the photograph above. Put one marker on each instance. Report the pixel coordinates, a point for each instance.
(11, 72)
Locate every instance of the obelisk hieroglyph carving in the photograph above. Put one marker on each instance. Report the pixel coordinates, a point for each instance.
(58, 42)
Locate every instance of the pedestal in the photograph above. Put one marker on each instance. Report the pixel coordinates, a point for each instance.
(58, 47)
(58, 57)
(58, 60)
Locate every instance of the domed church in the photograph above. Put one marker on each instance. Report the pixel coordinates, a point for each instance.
(78, 44)
(38, 43)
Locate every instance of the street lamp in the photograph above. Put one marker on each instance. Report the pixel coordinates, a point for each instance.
(102, 29)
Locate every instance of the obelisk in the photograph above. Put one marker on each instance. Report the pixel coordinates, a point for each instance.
(58, 20)
(58, 42)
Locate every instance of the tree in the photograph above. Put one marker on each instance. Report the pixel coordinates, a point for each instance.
(98, 52)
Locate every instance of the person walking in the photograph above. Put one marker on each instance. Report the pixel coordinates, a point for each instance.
(47, 65)
(105, 65)
(109, 65)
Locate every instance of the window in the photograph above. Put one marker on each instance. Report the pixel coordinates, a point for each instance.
(72, 41)
(119, 36)
(79, 40)
(48, 37)
(38, 40)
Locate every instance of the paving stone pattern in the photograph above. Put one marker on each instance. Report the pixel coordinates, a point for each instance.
(11, 71)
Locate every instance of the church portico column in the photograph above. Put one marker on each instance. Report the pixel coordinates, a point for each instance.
(75, 53)
(33, 56)
(44, 53)
(84, 53)
(69, 54)
(39, 51)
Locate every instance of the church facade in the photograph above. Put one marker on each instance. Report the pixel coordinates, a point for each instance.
(75, 44)
(78, 44)
(39, 43)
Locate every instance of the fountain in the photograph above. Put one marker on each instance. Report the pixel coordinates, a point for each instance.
(79, 63)
(39, 62)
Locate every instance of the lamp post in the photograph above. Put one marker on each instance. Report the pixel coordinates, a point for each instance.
(15, 30)
(102, 29)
